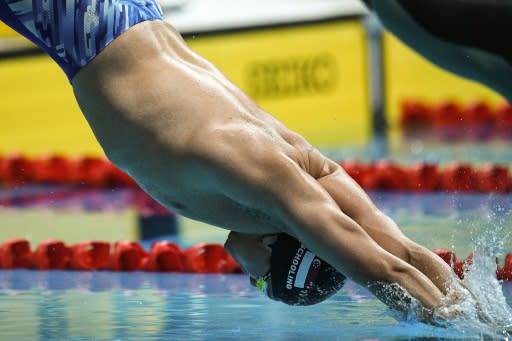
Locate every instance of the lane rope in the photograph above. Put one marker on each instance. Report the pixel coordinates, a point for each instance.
(164, 256)
(97, 172)
(449, 120)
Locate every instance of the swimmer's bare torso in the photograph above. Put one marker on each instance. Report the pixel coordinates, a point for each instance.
(199, 145)
(160, 98)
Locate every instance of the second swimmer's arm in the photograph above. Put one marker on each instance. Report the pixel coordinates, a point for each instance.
(463, 60)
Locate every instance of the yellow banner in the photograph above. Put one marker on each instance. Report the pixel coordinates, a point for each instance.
(312, 77)
(7, 32)
(410, 76)
(39, 113)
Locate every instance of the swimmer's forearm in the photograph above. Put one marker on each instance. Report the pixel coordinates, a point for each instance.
(355, 202)
(434, 268)
(345, 245)
(418, 256)
(316, 219)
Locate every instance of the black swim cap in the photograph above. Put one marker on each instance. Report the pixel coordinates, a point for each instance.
(297, 276)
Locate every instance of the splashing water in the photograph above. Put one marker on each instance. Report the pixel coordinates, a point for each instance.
(480, 276)
(484, 310)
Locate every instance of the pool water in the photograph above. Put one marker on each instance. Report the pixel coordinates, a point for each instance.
(188, 307)
(60, 305)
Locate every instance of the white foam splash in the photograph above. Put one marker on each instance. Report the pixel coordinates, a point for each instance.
(485, 311)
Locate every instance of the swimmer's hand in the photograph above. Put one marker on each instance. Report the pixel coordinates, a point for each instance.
(459, 305)
(451, 306)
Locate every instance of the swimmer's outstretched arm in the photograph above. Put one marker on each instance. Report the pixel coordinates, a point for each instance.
(381, 228)
(479, 64)
(316, 220)
(200, 146)
(253, 253)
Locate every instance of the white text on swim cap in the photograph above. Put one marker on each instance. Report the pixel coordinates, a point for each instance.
(293, 267)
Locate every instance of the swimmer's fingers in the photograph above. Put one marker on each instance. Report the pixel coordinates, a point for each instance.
(457, 305)
(483, 316)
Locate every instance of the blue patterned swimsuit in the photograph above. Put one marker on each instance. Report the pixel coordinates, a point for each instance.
(73, 32)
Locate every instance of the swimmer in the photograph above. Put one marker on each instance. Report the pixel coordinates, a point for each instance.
(203, 148)
(467, 37)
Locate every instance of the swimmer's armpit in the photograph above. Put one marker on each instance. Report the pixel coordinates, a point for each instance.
(252, 252)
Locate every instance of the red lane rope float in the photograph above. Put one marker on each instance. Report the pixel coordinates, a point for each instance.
(502, 273)
(427, 177)
(453, 119)
(16, 170)
(164, 256)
